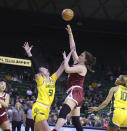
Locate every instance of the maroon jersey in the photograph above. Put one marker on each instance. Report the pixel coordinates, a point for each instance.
(75, 79)
(2, 109)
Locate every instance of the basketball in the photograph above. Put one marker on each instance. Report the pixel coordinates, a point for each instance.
(67, 14)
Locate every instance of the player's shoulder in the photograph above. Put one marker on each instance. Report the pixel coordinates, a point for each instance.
(115, 88)
(53, 75)
(38, 76)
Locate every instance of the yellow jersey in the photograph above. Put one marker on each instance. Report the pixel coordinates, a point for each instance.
(46, 90)
(119, 99)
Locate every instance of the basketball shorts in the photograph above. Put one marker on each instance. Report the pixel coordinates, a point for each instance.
(118, 118)
(3, 118)
(39, 112)
(76, 94)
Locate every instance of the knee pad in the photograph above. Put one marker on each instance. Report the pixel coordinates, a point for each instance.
(7, 130)
(76, 122)
(64, 111)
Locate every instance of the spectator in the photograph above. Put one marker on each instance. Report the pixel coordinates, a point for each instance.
(29, 93)
(17, 117)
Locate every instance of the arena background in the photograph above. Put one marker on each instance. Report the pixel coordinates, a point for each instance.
(99, 26)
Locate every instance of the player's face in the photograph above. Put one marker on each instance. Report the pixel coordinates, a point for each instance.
(44, 71)
(82, 57)
(2, 86)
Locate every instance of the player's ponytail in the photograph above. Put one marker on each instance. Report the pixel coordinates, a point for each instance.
(90, 61)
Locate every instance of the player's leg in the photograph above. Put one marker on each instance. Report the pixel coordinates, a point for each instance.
(40, 115)
(78, 95)
(115, 120)
(68, 105)
(111, 128)
(5, 126)
(41, 123)
(42, 126)
(75, 113)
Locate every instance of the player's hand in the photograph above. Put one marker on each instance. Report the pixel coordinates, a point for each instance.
(69, 55)
(67, 58)
(64, 55)
(93, 109)
(27, 47)
(68, 28)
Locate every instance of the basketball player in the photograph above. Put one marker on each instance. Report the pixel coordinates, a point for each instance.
(118, 97)
(4, 102)
(46, 91)
(75, 82)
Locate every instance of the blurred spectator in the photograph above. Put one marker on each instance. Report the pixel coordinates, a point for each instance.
(98, 123)
(29, 93)
(87, 123)
(17, 117)
(105, 123)
(54, 119)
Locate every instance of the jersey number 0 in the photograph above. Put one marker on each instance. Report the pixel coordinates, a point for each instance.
(123, 96)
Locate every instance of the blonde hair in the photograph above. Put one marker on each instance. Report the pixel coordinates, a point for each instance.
(19, 105)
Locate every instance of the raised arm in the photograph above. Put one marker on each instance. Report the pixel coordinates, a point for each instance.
(75, 69)
(60, 70)
(62, 67)
(28, 49)
(72, 43)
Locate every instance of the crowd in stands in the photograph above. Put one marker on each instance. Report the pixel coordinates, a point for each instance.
(96, 87)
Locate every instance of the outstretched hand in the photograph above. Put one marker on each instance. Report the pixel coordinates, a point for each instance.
(67, 58)
(68, 28)
(64, 55)
(27, 47)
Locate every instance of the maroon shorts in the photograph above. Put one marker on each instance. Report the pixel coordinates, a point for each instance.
(3, 118)
(77, 95)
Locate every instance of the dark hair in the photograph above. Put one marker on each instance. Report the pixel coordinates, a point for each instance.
(90, 60)
(45, 65)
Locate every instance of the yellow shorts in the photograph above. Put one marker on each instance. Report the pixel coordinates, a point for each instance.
(119, 118)
(39, 112)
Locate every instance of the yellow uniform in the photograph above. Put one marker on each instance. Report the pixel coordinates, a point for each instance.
(119, 108)
(46, 93)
